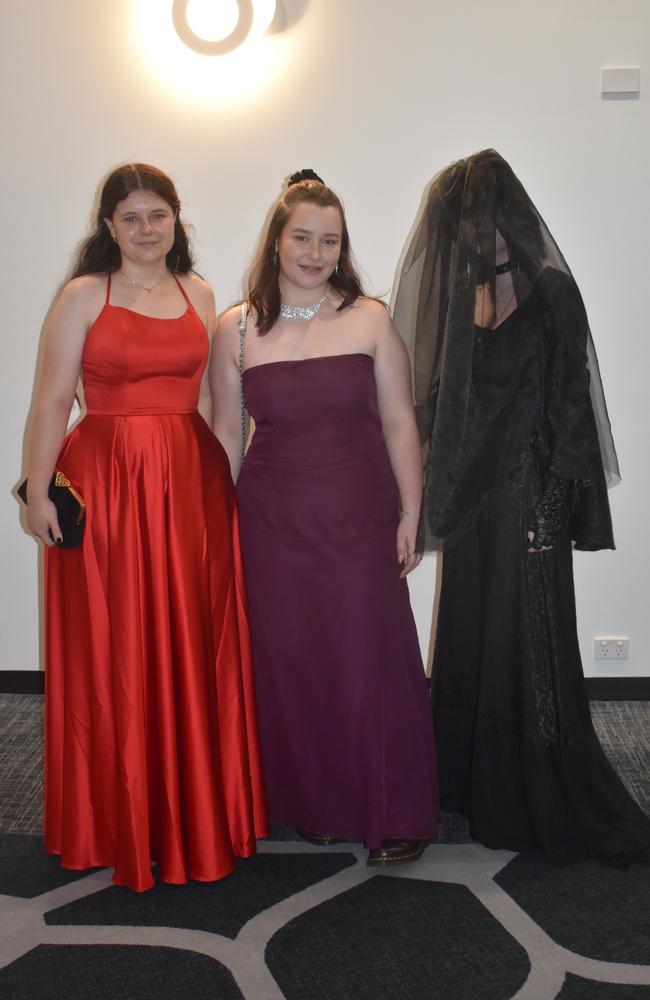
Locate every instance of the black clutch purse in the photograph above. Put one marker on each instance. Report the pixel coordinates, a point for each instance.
(70, 508)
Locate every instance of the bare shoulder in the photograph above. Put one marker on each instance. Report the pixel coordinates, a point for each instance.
(227, 336)
(370, 313)
(229, 321)
(199, 290)
(81, 298)
(373, 309)
(376, 319)
(85, 289)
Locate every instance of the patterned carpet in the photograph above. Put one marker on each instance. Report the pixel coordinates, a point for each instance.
(306, 923)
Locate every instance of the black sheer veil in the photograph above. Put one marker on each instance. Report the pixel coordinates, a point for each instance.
(476, 253)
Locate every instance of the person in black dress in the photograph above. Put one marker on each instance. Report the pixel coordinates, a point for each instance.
(519, 455)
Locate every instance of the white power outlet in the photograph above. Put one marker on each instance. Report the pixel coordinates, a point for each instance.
(611, 647)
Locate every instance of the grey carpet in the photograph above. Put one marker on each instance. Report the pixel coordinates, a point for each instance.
(21, 763)
(302, 923)
(623, 728)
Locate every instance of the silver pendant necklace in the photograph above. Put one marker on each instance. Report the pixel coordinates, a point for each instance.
(301, 312)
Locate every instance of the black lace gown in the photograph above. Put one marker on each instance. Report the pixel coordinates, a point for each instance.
(518, 753)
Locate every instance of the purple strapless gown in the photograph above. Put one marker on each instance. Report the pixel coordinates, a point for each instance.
(345, 721)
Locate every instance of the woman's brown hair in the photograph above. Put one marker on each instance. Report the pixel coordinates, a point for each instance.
(99, 253)
(263, 284)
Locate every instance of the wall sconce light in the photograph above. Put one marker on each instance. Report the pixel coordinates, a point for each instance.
(232, 21)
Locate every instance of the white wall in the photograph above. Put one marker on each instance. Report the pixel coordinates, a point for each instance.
(377, 96)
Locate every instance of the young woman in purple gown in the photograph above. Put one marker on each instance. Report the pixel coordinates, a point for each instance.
(329, 495)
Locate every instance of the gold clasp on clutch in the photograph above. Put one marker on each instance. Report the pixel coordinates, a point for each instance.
(62, 480)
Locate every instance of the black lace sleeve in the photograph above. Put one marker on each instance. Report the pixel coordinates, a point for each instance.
(550, 514)
(575, 455)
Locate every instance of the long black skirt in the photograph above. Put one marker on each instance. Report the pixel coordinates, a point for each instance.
(517, 751)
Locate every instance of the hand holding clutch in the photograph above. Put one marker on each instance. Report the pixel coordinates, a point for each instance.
(70, 508)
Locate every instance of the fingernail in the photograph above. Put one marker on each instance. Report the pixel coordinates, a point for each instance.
(59, 541)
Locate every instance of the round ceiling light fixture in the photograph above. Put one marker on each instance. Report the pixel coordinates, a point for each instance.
(198, 21)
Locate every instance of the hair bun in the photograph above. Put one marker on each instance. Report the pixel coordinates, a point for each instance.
(304, 175)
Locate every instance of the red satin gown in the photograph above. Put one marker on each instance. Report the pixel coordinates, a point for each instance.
(151, 731)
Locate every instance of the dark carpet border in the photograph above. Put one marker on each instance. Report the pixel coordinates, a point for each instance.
(598, 688)
(618, 688)
(22, 681)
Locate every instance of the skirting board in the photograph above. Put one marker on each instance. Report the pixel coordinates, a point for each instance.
(618, 688)
(22, 681)
(598, 688)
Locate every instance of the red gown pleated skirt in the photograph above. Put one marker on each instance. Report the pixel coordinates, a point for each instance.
(151, 732)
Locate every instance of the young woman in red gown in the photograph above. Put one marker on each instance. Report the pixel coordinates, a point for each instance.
(151, 730)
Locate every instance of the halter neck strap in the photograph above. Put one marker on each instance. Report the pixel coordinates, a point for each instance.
(183, 292)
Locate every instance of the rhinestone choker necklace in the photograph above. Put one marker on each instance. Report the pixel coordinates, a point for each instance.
(301, 312)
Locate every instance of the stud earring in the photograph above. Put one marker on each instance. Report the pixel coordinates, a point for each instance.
(336, 269)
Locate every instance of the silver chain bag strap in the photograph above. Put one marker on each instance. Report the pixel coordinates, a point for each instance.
(244, 414)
